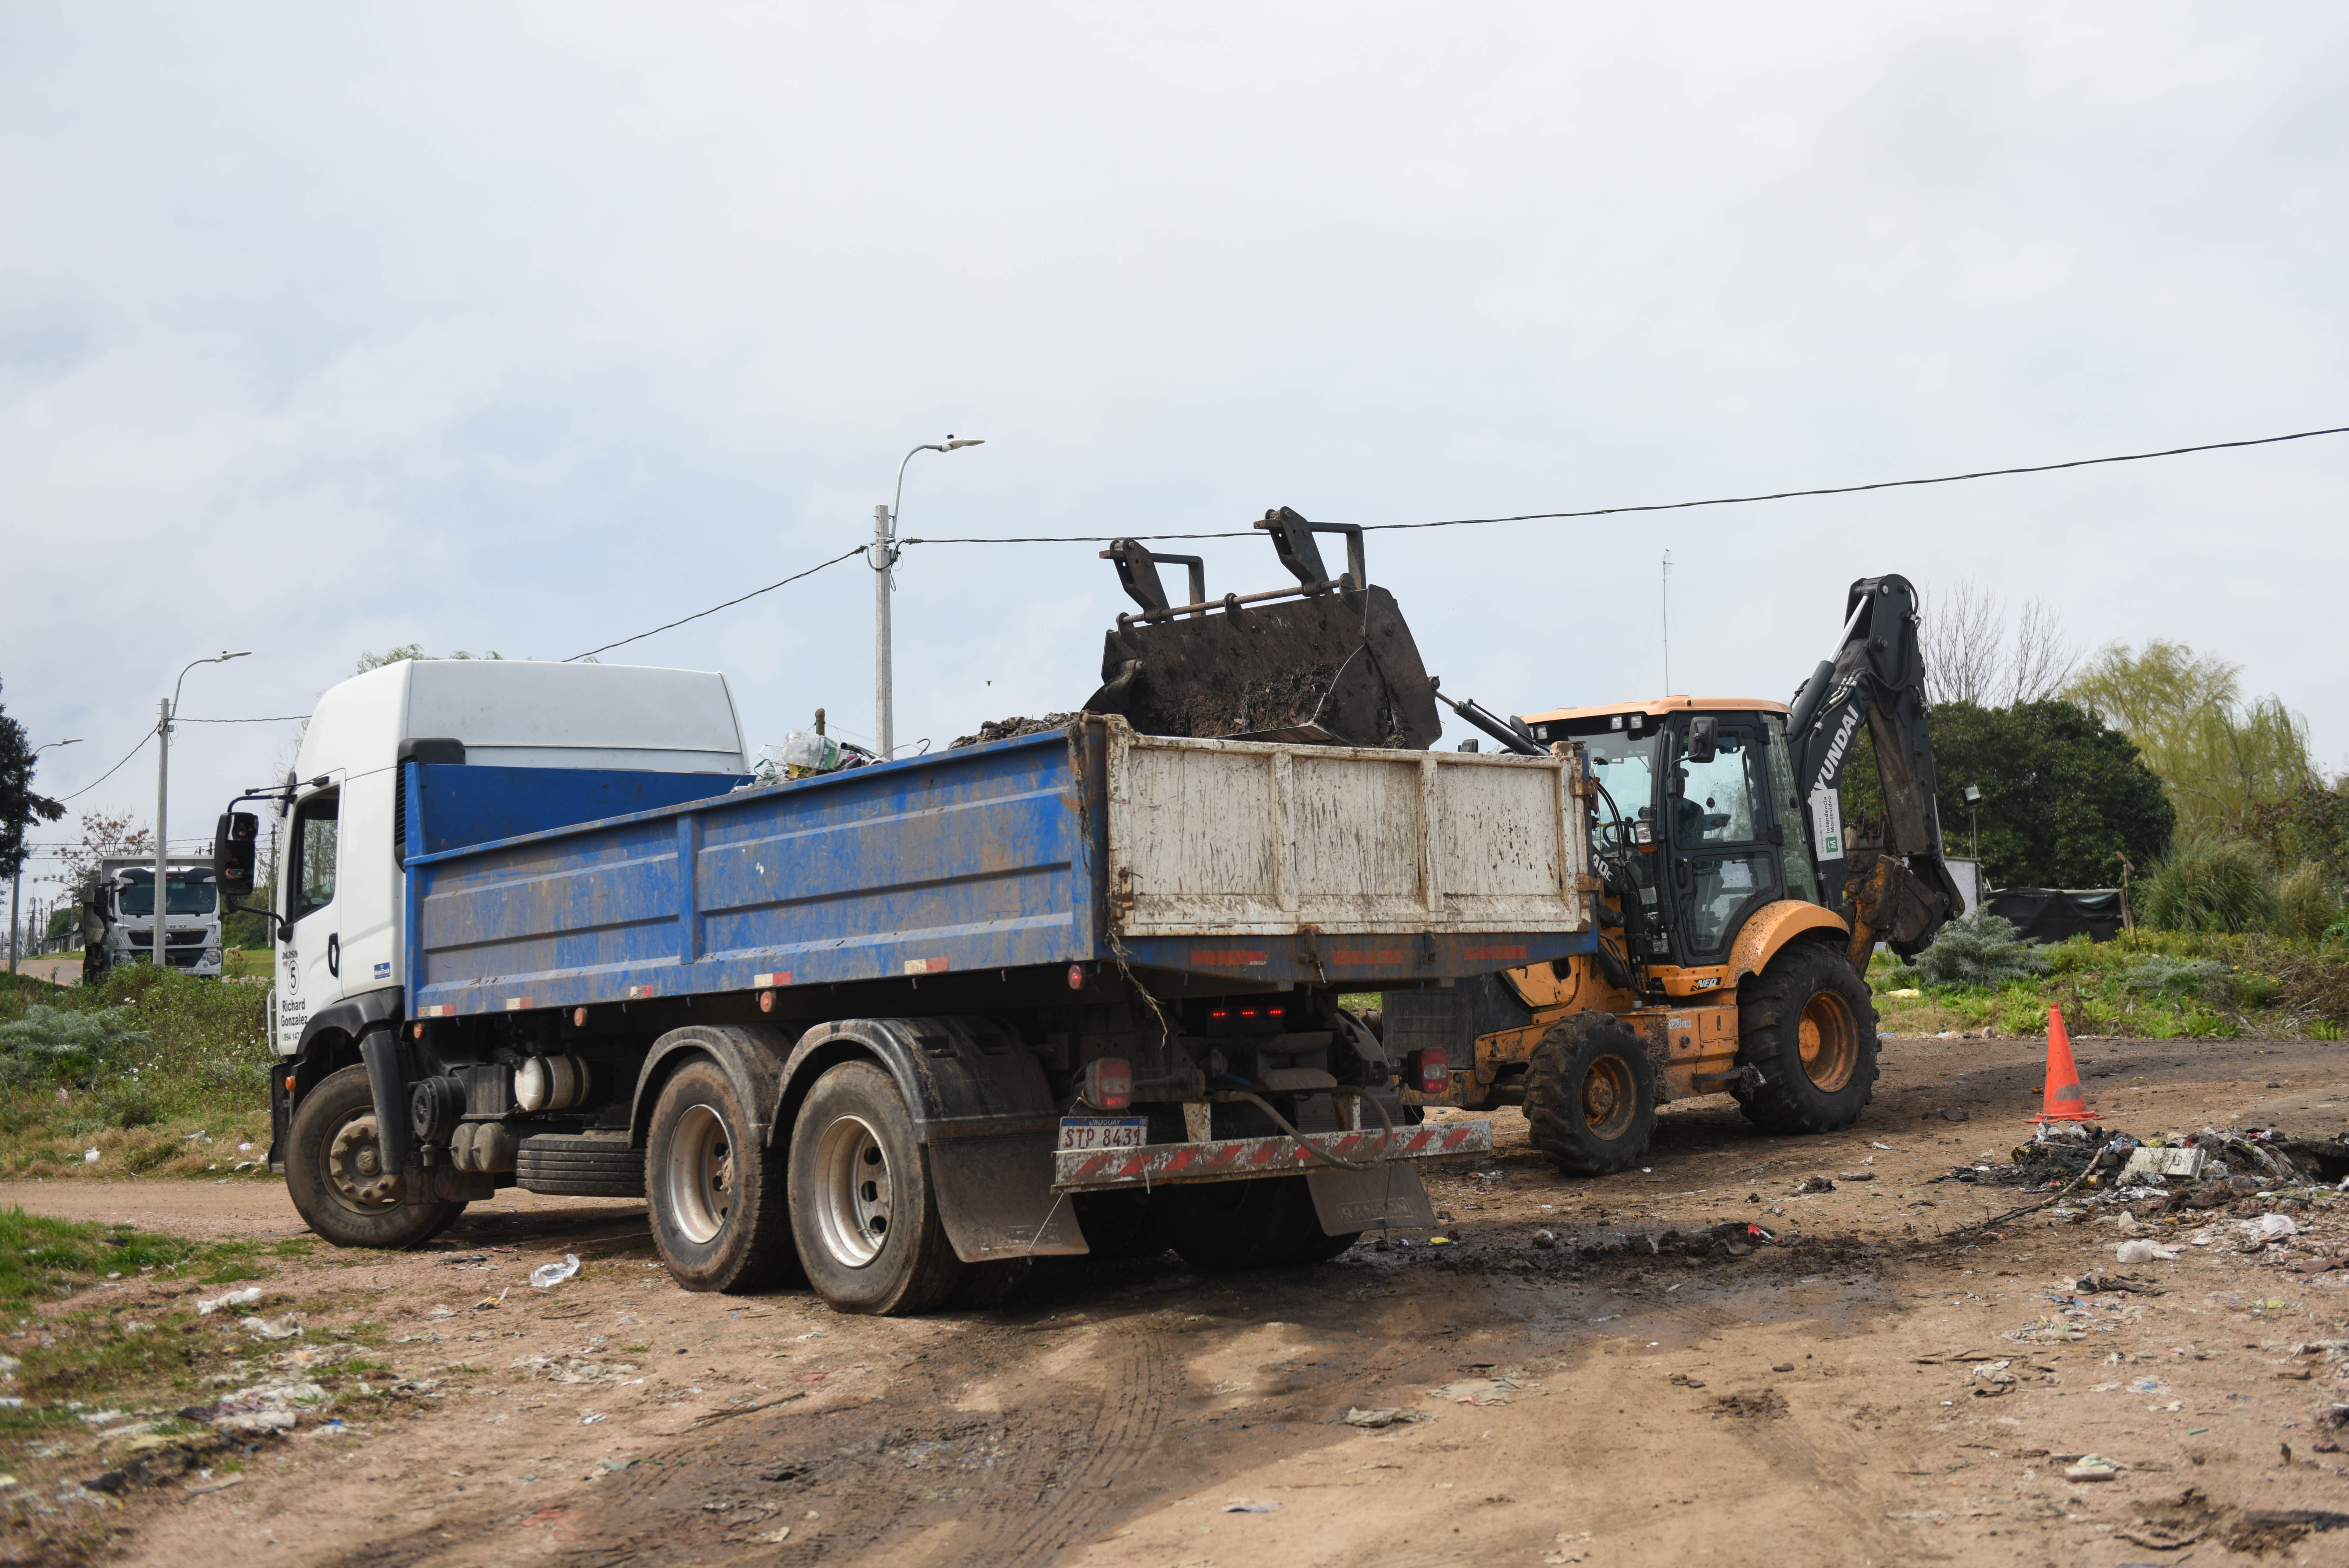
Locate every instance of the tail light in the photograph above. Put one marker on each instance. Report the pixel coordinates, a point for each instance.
(1428, 1071)
(1107, 1084)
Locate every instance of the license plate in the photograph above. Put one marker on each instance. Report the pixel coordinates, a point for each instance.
(1078, 1134)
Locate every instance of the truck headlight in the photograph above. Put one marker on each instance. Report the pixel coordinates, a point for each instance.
(212, 955)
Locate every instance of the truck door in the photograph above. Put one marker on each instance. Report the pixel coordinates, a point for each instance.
(310, 956)
(1724, 862)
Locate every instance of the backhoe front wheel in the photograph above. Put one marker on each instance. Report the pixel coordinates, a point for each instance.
(1808, 1023)
(862, 1209)
(1591, 1094)
(336, 1176)
(719, 1221)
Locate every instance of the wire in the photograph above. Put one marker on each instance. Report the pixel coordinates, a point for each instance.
(1683, 505)
(281, 719)
(112, 770)
(713, 610)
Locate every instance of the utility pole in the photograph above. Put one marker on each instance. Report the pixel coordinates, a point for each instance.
(159, 954)
(886, 551)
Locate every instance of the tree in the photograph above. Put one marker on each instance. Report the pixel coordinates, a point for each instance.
(2222, 757)
(20, 805)
(1969, 658)
(2061, 792)
(104, 838)
(413, 650)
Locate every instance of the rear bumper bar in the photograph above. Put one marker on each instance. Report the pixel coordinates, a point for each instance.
(1236, 1159)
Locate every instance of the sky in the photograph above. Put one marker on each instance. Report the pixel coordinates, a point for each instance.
(529, 327)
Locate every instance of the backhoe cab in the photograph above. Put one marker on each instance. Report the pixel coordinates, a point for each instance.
(1737, 919)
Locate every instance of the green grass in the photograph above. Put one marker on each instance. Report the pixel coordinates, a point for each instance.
(190, 1059)
(2161, 985)
(43, 1259)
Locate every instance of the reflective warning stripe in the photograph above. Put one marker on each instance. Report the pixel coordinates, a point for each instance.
(925, 966)
(783, 979)
(1231, 1159)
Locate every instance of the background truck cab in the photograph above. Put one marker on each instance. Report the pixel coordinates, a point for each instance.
(117, 910)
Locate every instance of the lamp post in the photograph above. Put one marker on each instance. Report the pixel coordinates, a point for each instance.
(158, 953)
(885, 556)
(1973, 821)
(17, 878)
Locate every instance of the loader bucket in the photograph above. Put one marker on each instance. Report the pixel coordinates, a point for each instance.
(1331, 660)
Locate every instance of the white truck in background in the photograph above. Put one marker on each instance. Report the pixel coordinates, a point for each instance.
(117, 916)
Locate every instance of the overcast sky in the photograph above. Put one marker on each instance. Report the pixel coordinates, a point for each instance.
(528, 328)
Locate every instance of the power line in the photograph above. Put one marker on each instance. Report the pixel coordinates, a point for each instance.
(713, 610)
(112, 770)
(281, 719)
(1683, 505)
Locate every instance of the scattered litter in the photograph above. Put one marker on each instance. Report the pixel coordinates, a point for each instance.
(267, 1329)
(1812, 1184)
(1251, 1508)
(590, 1419)
(2094, 1468)
(1372, 1420)
(1545, 1238)
(548, 1275)
(89, 1157)
(265, 1408)
(2271, 1227)
(2144, 1252)
(245, 1297)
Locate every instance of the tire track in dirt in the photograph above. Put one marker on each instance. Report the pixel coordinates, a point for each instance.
(1073, 1497)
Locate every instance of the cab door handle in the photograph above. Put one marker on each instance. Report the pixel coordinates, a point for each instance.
(335, 954)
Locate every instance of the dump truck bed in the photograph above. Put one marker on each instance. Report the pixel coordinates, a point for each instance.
(1253, 862)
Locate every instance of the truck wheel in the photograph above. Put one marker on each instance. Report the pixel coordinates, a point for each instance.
(334, 1172)
(1808, 1023)
(1222, 1226)
(1591, 1094)
(719, 1217)
(862, 1209)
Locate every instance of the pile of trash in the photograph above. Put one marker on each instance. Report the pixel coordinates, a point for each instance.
(2204, 1168)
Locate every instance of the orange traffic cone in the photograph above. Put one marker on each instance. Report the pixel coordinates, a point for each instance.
(2064, 1102)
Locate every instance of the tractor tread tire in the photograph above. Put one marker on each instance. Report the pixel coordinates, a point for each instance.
(1770, 1008)
(1555, 1107)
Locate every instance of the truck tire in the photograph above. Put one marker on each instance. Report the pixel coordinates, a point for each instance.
(988, 1284)
(335, 1179)
(1591, 1094)
(1808, 1023)
(1223, 1227)
(719, 1220)
(580, 1165)
(863, 1211)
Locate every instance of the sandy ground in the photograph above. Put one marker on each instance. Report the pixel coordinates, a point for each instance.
(59, 968)
(1838, 1399)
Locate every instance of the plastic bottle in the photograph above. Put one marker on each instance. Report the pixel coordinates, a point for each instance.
(807, 752)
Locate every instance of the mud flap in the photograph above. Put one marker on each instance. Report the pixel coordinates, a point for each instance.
(995, 1196)
(1389, 1198)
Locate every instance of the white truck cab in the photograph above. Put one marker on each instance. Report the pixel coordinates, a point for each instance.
(340, 888)
(118, 916)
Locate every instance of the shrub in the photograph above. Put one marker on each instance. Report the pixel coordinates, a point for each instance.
(1981, 949)
(2176, 979)
(70, 1050)
(2306, 906)
(2209, 885)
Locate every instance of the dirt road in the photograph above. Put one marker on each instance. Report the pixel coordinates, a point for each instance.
(1856, 1395)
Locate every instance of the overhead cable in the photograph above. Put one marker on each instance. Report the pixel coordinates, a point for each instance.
(713, 610)
(1681, 506)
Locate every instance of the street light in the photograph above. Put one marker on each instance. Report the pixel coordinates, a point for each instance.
(158, 954)
(17, 878)
(1974, 817)
(885, 556)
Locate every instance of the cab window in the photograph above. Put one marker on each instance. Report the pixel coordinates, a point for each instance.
(315, 825)
(1719, 802)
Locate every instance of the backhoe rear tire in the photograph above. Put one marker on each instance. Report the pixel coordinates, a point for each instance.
(1591, 1094)
(1808, 1023)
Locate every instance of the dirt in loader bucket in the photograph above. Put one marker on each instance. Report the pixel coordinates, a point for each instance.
(1335, 664)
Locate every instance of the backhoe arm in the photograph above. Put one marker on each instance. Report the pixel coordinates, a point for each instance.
(1876, 677)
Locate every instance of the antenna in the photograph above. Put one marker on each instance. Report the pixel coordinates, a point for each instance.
(1668, 623)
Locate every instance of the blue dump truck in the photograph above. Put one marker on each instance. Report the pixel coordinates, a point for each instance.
(897, 1029)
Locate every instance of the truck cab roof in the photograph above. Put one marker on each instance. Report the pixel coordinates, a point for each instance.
(519, 713)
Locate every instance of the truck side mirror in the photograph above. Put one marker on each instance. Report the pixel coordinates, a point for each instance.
(1704, 738)
(235, 843)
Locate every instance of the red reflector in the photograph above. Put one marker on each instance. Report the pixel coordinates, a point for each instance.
(1428, 1071)
(1076, 977)
(1107, 1084)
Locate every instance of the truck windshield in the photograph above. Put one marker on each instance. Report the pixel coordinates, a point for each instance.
(183, 898)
